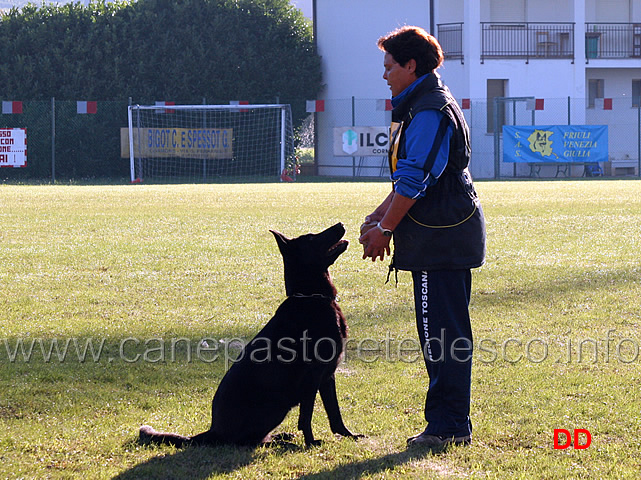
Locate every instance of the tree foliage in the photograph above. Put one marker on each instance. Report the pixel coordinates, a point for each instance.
(147, 50)
(253, 50)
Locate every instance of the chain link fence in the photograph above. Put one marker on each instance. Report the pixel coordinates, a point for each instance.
(80, 140)
(63, 143)
(486, 120)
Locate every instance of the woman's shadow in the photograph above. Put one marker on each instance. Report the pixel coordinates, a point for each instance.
(372, 466)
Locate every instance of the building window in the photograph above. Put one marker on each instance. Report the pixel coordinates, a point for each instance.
(636, 93)
(595, 90)
(495, 88)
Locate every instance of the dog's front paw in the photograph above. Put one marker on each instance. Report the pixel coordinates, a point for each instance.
(313, 443)
(344, 432)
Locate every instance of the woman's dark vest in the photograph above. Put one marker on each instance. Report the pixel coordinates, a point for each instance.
(445, 229)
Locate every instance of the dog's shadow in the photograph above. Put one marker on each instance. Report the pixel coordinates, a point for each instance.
(201, 462)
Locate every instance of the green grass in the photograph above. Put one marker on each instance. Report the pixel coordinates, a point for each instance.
(556, 313)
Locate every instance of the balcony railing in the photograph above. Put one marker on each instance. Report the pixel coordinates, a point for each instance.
(527, 40)
(537, 40)
(450, 36)
(612, 40)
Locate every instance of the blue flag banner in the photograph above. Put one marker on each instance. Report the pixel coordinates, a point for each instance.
(555, 143)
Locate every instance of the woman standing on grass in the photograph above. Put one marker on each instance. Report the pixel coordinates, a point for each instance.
(435, 218)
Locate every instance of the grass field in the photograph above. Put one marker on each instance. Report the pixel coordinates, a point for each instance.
(134, 278)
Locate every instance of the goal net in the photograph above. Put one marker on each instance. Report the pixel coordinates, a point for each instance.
(202, 142)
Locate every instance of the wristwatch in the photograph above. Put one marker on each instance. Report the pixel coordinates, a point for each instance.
(384, 231)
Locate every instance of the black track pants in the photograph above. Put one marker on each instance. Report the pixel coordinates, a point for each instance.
(442, 299)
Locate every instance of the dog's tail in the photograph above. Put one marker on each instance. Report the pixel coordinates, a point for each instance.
(147, 435)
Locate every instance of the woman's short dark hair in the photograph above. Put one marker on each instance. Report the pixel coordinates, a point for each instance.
(409, 42)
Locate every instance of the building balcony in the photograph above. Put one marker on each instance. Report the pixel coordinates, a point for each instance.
(450, 36)
(530, 40)
(612, 40)
(536, 40)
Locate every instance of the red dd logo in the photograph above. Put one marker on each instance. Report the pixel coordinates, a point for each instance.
(558, 432)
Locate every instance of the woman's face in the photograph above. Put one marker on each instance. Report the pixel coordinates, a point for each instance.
(398, 77)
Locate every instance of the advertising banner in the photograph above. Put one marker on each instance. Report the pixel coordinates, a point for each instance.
(179, 142)
(13, 147)
(555, 143)
(360, 141)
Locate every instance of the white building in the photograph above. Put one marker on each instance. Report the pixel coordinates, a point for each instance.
(580, 58)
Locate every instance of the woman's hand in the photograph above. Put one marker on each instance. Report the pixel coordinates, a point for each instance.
(367, 225)
(375, 244)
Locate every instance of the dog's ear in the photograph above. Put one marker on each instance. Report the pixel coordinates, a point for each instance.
(281, 240)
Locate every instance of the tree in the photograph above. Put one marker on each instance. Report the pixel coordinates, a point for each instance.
(253, 50)
(148, 50)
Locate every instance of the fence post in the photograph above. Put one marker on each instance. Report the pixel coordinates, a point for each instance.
(353, 125)
(204, 126)
(497, 140)
(53, 139)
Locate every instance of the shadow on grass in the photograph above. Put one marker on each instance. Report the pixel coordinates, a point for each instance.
(199, 463)
(195, 463)
(372, 466)
(559, 282)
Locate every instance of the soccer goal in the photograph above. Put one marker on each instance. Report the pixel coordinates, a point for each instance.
(192, 143)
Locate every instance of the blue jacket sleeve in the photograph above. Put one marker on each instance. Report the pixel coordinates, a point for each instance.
(419, 170)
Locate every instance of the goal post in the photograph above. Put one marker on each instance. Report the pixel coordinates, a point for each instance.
(192, 143)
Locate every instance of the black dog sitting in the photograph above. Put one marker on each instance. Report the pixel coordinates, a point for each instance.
(294, 356)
